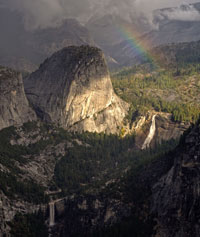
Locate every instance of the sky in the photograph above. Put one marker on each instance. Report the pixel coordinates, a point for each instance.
(45, 13)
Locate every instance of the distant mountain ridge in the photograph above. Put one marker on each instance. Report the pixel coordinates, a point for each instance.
(176, 54)
(175, 25)
(24, 50)
(108, 34)
(169, 27)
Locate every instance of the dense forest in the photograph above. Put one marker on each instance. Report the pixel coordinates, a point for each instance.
(163, 90)
(30, 225)
(91, 162)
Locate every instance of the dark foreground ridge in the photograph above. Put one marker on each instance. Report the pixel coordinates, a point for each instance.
(176, 196)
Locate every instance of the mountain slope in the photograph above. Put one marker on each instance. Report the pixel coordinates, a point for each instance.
(176, 196)
(108, 33)
(177, 55)
(126, 42)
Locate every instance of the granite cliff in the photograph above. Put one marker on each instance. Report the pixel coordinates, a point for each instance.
(165, 129)
(73, 89)
(14, 106)
(176, 195)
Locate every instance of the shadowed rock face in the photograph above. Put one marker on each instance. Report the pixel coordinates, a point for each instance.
(73, 89)
(177, 194)
(14, 106)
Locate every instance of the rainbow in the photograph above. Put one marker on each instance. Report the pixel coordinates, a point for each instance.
(139, 46)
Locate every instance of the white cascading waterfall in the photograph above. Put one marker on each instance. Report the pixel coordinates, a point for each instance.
(51, 214)
(151, 134)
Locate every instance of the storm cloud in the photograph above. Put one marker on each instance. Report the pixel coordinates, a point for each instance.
(49, 13)
(187, 13)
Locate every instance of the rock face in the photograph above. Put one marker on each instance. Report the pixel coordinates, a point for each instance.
(177, 194)
(165, 129)
(168, 129)
(14, 107)
(73, 89)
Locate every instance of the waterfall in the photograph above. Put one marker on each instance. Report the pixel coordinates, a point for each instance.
(151, 133)
(51, 214)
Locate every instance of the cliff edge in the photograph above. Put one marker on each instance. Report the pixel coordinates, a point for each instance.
(14, 106)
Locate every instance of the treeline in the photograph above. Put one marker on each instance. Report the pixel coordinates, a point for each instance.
(139, 79)
(98, 158)
(180, 112)
(29, 225)
(177, 54)
(141, 89)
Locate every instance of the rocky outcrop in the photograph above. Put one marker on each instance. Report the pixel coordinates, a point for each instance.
(73, 89)
(165, 129)
(168, 129)
(14, 107)
(177, 194)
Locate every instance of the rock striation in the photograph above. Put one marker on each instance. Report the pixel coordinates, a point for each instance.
(177, 194)
(73, 89)
(14, 106)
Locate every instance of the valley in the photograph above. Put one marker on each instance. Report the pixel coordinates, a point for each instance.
(99, 180)
(100, 121)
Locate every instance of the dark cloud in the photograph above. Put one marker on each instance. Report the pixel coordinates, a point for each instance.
(47, 13)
